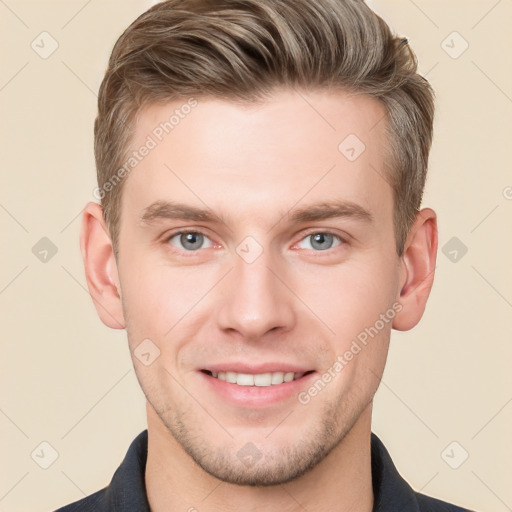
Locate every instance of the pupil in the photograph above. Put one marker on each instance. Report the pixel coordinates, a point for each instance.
(192, 240)
(319, 239)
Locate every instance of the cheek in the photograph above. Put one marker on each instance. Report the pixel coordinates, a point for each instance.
(157, 296)
(351, 296)
(352, 305)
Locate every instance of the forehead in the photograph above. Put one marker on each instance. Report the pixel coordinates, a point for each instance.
(295, 146)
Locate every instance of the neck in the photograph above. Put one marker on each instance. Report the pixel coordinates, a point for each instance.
(341, 482)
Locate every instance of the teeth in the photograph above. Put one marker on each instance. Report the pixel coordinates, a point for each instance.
(288, 377)
(277, 378)
(261, 379)
(231, 377)
(244, 379)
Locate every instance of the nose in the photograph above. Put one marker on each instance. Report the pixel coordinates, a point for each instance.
(256, 300)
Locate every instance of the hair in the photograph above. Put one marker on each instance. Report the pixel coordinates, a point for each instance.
(242, 51)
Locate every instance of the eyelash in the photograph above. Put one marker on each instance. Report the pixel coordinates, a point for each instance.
(342, 241)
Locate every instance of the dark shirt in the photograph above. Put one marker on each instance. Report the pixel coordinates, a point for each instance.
(127, 490)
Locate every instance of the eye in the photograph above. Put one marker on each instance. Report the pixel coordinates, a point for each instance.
(320, 241)
(190, 240)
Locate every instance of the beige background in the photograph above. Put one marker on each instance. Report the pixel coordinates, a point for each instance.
(68, 380)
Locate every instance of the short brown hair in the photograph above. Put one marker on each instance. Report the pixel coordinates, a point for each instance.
(242, 50)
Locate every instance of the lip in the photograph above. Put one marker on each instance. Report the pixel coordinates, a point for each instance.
(255, 397)
(240, 367)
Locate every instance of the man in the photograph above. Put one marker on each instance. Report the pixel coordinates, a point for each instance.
(261, 165)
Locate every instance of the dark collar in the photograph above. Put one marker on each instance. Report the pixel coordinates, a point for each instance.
(127, 490)
(390, 490)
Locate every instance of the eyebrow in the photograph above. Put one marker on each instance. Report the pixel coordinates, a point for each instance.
(329, 210)
(162, 210)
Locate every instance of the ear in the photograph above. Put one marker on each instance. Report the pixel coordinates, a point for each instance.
(418, 264)
(101, 267)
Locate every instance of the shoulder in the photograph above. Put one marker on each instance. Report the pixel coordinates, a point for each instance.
(392, 492)
(94, 503)
(428, 504)
(126, 490)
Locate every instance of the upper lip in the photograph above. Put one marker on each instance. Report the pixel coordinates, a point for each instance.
(251, 368)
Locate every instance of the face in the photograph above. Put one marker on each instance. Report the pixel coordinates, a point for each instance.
(255, 252)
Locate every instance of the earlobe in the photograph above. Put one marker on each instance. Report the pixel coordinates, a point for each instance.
(100, 267)
(418, 268)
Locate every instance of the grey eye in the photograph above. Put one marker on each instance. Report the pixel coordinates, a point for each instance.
(320, 241)
(190, 241)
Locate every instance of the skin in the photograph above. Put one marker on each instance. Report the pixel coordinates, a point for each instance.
(254, 166)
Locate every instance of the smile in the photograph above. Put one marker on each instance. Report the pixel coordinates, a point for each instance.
(259, 379)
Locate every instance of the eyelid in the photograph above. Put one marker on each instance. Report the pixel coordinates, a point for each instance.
(182, 231)
(344, 239)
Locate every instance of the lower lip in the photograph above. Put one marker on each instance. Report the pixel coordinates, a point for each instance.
(256, 396)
